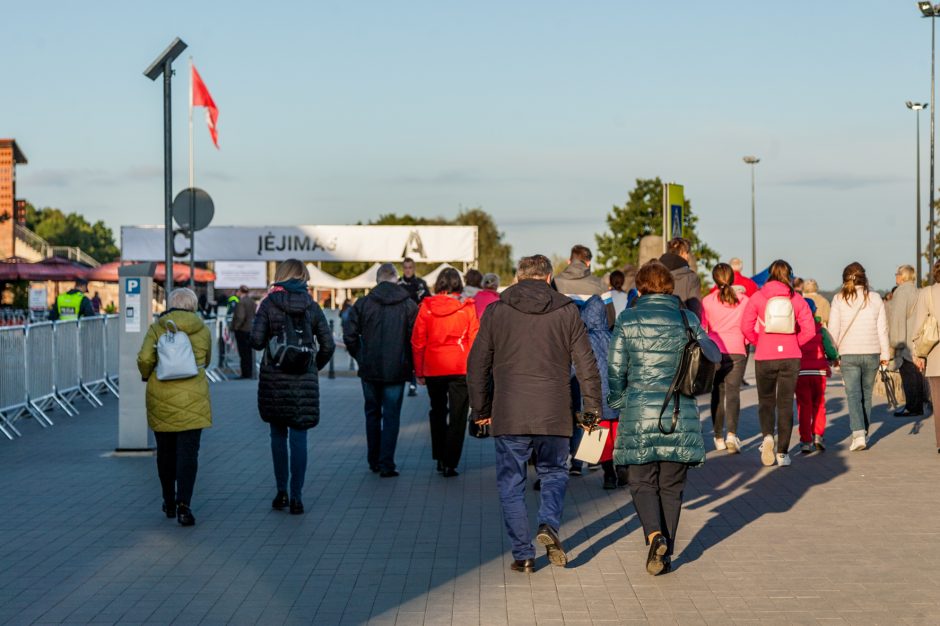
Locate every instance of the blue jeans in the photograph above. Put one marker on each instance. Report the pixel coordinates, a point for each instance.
(298, 458)
(383, 412)
(858, 374)
(512, 455)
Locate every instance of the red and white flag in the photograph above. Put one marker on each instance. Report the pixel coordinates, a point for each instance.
(202, 98)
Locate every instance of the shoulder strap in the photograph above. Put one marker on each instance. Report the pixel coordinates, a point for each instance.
(673, 393)
(845, 332)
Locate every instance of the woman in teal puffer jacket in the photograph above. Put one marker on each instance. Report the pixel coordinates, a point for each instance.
(644, 353)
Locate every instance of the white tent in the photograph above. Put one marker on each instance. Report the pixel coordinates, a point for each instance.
(321, 280)
(365, 280)
(431, 277)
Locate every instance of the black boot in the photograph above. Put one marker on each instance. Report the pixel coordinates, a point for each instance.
(280, 501)
(184, 515)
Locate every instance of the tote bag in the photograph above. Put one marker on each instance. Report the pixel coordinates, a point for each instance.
(928, 336)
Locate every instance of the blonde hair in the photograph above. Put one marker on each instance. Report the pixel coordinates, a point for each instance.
(810, 286)
(183, 298)
(291, 269)
(907, 273)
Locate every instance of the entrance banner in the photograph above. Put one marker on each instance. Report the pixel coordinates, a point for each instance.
(425, 244)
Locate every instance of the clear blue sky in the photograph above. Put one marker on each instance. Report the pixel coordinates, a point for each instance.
(542, 112)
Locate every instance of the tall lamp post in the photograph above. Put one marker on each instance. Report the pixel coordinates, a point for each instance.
(931, 10)
(917, 107)
(752, 161)
(163, 64)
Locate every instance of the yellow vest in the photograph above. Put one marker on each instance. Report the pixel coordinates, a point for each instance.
(68, 305)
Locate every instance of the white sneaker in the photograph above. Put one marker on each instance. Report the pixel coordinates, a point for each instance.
(720, 444)
(767, 450)
(858, 443)
(820, 444)
(783, 460)
(733, 443)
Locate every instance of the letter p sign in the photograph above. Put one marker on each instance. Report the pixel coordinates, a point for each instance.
(132, 286)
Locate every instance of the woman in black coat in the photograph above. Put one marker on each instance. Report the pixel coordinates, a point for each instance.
(290, 401)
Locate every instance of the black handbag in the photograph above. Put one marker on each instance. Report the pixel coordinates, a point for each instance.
(695, 375)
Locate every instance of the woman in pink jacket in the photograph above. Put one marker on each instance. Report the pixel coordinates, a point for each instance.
(778, 322)
(722, 310)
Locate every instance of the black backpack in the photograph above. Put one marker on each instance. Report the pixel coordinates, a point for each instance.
(292, 351)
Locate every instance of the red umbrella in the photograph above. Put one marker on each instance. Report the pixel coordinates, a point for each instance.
(51, 269)
(108, 273)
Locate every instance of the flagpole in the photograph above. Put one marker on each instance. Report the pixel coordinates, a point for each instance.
(192, 197)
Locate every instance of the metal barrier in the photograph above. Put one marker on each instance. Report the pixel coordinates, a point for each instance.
(112, 350)
(92, 341)
(68, 358)
(39, 369)
(13, 396)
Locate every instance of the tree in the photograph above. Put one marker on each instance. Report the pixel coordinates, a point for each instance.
(642, 215)
(72, 229)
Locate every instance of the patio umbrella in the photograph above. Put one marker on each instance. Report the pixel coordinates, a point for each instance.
(108, 273)
(53, 269)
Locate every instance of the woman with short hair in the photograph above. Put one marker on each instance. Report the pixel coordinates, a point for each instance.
(488, 295)
(441, 340)
(859, 326)
(289, 400)
(645, 351)
(177, 409)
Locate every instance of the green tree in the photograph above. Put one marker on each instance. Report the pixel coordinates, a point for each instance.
(72, 229)
(642, 215)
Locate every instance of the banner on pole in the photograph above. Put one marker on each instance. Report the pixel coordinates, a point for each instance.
(673, 211)
(234, 274)
(425, 244)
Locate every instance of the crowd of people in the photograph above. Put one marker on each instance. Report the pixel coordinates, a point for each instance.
(551, 358)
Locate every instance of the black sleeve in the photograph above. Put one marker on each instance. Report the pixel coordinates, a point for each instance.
(259, 328)
(54, 313)
(321, 329)
(480, 369)
(86, 309)
(351, 331)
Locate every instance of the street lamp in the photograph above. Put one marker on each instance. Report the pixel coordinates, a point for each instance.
(931, 10)
(163, 64)
(918, 107)
(752, 161)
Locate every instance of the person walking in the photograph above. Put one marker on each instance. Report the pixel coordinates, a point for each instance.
(527, 343)
(72, 304)
(721, 319)
(377, 333)
(177, 409)
(488, 295)
(289, 398)
(441, 341)
(742, 282)
(778, 322)
(811, 292)
(859, 325)
(688, 286)
(620, 298)
(242, 318)
(901, 329)
(418, 290)
(645, 352)
(818, 352)
(473, 283)
(928, 305)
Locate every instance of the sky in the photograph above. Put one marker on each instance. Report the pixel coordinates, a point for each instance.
(543, 113)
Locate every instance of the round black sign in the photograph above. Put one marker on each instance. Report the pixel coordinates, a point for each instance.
(193, 204)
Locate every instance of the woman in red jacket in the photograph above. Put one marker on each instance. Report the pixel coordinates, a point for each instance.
(443, 334)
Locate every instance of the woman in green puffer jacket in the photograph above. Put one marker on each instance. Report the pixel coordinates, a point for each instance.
(178, 410)
(645, 349)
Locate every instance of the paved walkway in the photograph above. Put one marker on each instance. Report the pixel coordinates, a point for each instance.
(839, 536)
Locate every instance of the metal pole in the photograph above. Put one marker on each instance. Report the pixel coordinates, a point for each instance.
(753, 227)
(168, 179)
(192, 183)
(920, 249)
(932, 243)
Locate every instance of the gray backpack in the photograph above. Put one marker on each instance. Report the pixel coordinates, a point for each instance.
(175, 358)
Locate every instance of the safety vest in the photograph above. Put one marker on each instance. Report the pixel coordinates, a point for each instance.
(68, 305)
(233, 300)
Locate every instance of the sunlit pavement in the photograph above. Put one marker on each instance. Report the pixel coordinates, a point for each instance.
(838, 536)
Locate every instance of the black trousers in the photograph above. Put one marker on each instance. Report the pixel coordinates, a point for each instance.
(243, 339)
(177, 462)
(657, 496)
(776, 390)
(450, 405)
(913, 382)
(726, 393)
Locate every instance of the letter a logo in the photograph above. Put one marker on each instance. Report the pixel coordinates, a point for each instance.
(414, 247)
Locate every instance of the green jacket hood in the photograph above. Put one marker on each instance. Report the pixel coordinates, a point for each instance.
(186, 321)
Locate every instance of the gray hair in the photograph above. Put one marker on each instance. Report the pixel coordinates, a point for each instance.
(386, 273)
(535, 266)
(490, 281)
(183, 298)
(810, 286)
(736, 264)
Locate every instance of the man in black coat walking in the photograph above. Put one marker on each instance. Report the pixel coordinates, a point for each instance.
(527, 343)
(377, 334)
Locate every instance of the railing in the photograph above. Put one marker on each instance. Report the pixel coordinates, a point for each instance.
(46, 249)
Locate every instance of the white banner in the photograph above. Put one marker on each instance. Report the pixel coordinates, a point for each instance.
(38, 296)
(425, 244)
(234, 274)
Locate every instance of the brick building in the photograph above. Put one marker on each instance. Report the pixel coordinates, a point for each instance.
(10, 157)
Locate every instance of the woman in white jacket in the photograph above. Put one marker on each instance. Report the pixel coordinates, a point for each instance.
(859, 326)
(928, 303)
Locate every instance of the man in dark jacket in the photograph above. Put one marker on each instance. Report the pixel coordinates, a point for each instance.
(527, 343)
(377, 334)
(688, 285)
(242, 319)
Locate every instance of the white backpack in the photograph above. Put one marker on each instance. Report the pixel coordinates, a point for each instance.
(779, 318)
(175, 358)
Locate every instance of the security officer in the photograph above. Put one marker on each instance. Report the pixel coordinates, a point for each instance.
(72, 304)
(231, 303)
